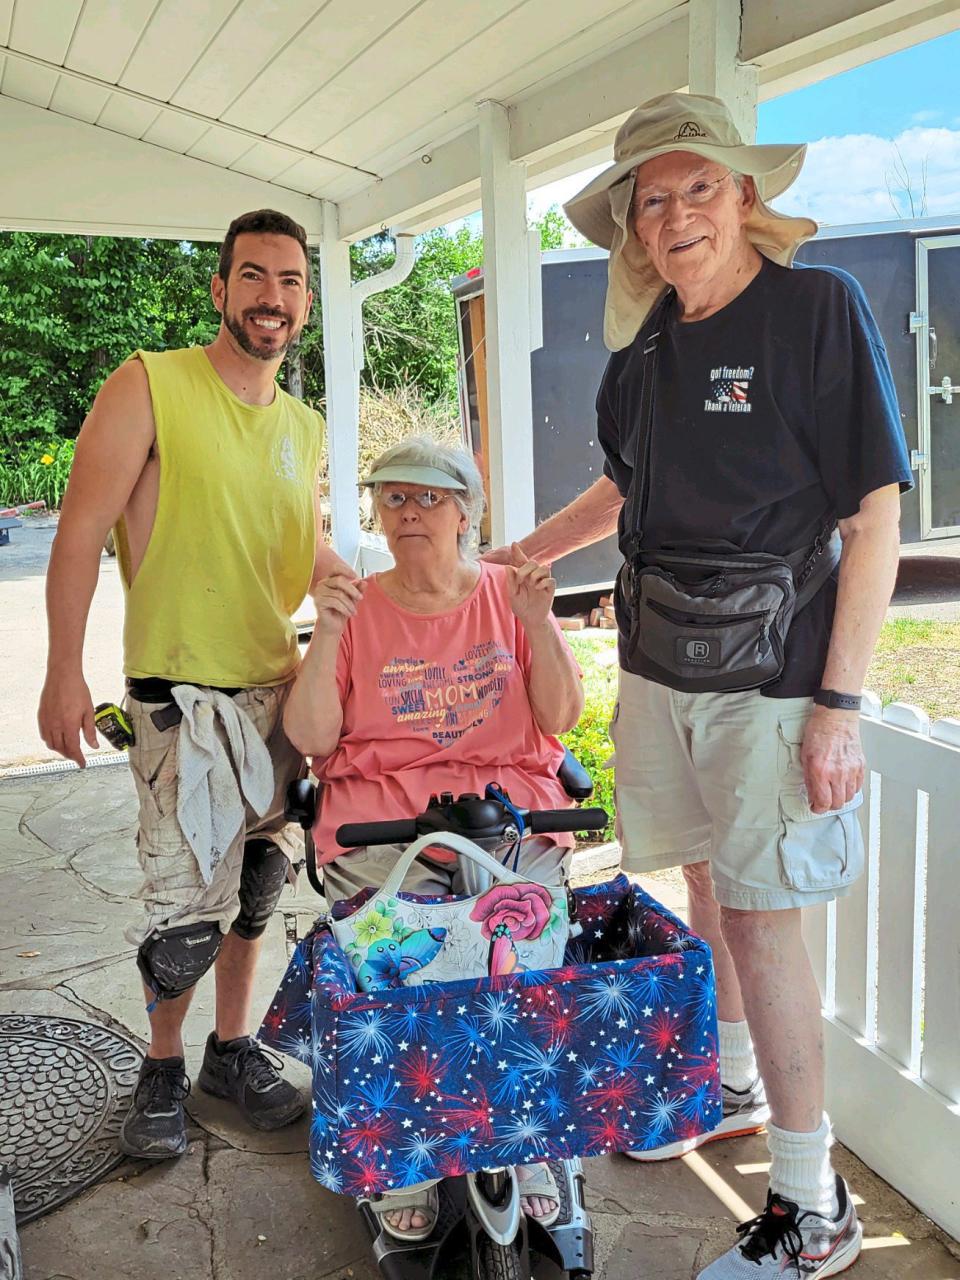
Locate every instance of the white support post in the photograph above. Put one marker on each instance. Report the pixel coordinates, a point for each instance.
(343, 392)
(714, 61)
(507, 315)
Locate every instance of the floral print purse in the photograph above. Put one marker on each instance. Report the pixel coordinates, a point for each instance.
(393, 941)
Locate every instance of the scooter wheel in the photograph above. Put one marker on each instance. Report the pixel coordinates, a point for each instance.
(498, 1262)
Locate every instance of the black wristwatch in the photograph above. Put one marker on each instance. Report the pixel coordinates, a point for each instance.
(837, 701)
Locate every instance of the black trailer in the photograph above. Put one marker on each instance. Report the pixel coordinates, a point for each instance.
(911, 274)
(565, 373)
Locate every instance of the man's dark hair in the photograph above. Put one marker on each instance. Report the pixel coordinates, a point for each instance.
(261, 222)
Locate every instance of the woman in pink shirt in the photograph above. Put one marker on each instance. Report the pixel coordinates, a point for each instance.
(442, 674)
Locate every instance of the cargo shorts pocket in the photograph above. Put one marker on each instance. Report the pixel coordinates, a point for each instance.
(816, 851)
(154, 763)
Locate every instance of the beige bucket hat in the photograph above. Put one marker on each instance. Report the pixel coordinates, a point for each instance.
(678, 122)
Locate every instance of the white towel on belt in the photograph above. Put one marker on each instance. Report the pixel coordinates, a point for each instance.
(216, 781)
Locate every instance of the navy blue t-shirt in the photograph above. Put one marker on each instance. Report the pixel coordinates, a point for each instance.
(772, 416)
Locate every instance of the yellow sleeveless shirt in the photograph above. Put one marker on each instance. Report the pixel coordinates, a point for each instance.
(231, 552)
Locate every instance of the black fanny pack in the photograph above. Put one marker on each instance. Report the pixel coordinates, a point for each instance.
(706, 621)
(712, 622)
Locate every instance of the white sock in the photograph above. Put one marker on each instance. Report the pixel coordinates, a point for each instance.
(738, 1065)
(800, 1168)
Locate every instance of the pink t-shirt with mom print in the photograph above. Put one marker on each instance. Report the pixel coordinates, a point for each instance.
(434, 704)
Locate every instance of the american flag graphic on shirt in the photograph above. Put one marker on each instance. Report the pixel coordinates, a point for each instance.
(730, 389)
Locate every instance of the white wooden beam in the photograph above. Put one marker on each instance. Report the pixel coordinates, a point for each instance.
(342, 386)
(61, 175)
(597, 96)
(714, 61)
(436, 178)
(778, 30)
(797, 52)
(506, 300)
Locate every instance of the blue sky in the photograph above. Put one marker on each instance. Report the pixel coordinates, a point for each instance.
(883, 97)
(875, 133)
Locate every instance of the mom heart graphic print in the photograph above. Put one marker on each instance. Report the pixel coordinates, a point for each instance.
(434, 703)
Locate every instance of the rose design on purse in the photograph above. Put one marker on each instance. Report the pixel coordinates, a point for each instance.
(508, 913)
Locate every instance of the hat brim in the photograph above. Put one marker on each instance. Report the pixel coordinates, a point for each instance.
(602, 212)
(774, 166)
(432, 476)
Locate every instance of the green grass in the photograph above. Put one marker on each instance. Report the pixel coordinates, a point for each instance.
(917, 660)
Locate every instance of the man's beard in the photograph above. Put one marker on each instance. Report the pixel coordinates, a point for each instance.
(235, 325)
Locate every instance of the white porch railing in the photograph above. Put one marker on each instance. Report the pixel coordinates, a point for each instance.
(888, 961)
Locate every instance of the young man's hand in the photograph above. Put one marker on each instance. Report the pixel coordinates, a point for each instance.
(66, 711)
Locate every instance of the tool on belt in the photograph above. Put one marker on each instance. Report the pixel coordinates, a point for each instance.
(114, 725)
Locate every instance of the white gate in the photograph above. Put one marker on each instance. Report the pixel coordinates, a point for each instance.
(888, 961)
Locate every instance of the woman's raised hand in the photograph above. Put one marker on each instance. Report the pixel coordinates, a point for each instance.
(336, 599)
(531, 589)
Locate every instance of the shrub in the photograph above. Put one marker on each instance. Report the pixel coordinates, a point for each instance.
(36, 473)
(590, 740)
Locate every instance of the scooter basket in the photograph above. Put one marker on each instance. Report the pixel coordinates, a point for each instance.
(615, 1051)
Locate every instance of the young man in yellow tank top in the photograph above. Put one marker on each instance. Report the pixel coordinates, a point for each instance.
(207, 470)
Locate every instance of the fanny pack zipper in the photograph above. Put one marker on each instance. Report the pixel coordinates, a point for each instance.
(718, 620)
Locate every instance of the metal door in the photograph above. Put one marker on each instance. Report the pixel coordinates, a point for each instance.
(936, 323)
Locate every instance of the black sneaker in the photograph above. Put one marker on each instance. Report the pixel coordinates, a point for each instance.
(155, 1127)
(244, 1072)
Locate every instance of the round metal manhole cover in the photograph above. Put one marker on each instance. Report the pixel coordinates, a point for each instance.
(66, 1087)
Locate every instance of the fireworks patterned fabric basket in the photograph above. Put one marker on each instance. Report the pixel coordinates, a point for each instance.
(616, 1050)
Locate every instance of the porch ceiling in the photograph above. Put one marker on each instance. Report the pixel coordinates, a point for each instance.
(204, 104)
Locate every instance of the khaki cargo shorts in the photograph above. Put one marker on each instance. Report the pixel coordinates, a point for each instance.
(173, 891)
(718, 776)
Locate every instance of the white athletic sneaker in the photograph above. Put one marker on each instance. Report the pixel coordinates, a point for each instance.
(744, 1111)
(790, 1244)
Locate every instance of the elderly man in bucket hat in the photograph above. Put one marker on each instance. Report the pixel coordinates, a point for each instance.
(746, 414)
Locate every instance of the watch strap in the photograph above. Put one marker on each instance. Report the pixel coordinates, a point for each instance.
(837, 701)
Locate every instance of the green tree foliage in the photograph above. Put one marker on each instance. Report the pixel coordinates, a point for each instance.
(72, 308)
(409, 331)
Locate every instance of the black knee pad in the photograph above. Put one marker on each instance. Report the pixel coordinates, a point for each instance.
(262, 878)
(171, 961)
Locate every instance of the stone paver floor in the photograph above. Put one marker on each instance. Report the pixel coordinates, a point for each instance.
(242, 1205)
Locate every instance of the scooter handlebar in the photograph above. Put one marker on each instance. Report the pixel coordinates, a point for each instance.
(548, 821)
(354, 834)
(403, 831)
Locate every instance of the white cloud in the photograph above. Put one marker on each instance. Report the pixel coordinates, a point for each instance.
(845, 179)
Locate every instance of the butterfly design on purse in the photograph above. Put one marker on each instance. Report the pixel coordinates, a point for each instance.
(390, 960)
(504, 957)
